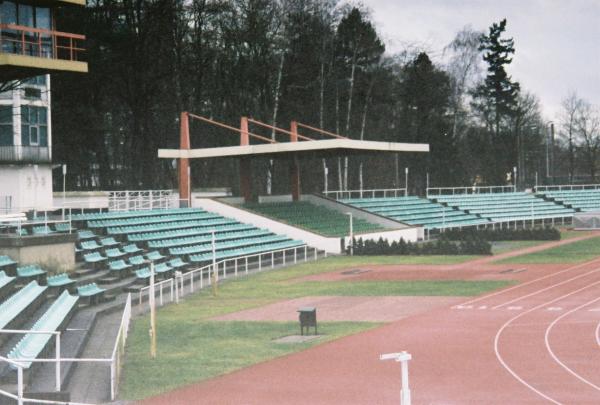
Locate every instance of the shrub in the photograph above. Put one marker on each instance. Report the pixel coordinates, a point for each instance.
(442, 246)
(545, 233)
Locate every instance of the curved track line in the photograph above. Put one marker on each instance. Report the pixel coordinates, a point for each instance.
(545, 289)
(511, 320)
(526, 283)
(555, 357)
(598, 334)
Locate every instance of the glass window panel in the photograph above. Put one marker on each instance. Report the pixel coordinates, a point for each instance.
(8, 12)
(25, 135)
(6, 115)
(33, 136)
(43, 117)
(6, 135)
(42, 18)
(33, 115)
(26, 15)
(24, 114)
(43, 136)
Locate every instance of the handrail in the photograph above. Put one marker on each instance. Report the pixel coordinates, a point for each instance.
(439, 191)
(567, 187)
(22, 37)
(322, 131)
(220, 124)
(285, 131)
(374, 193)
(114, 360)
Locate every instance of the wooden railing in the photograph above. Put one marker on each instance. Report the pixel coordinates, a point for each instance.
(41, 43)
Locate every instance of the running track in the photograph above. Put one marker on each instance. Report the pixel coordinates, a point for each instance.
(534, 343)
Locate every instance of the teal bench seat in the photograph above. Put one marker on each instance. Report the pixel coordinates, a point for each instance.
(31, 345)
(86, 234)
(6, 261)
(62, 227)
(118, 265)
(90, 245)
(92, 292)
(94, 258)
(177, 263)
(137, 260)
(114, 253)
(108, 242)
(143, 274)
(42, 230)
(131, 248)
(31, 270)
(155, 255)
(60, 280)
(18, 302)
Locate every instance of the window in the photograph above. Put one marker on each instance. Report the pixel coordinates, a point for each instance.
(36, 80)
(6, 125)
(8, 12)
(34, 126)
(22, 13)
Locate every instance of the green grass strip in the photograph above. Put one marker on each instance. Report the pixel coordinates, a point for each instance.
(575, 252)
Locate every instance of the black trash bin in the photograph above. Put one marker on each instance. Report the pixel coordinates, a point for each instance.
(308, 318)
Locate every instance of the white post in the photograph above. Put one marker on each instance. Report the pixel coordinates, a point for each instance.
(64, 195)
(19, 385)
(402, 358)
(351, 234)
(406, 181)
(515, 178)
(152, 313)
(57, 356)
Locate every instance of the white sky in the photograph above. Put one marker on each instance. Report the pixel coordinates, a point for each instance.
(557, 42)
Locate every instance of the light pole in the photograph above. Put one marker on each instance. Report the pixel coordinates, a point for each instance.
(406, 181)
(549, 124)
(64, 194)
(152, 313)
(515, 177)
(351, 234)
(215, 275)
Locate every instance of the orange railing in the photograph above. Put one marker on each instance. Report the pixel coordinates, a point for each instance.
(37, 42)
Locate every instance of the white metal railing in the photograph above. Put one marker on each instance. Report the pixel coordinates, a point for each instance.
(372, 193)
(114, 361)
(567, 187)
(434, 191)
(195, 279)
(19, 223)
(135, 200)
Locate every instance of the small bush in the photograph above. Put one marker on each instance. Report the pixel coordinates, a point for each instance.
(442, 246)
(545, 233)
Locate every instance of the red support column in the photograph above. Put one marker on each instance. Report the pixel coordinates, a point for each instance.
(245, 164)
(294, 165)
(184, 163)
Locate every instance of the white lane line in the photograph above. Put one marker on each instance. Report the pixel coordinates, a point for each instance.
(546, 288)
(556, 359)
(514, 308)
(598, 334)
(554, 308)
(529, 282)
(514, 318)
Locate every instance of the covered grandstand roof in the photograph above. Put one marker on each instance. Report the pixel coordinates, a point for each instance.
(305, 148)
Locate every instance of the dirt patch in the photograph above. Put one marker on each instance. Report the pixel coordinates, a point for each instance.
(333, 308)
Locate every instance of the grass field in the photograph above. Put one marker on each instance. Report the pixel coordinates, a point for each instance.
(571, 253)
(192, 348)
(509, 246)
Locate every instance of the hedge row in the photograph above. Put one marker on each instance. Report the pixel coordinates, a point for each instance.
(545, 233)
(443, 246)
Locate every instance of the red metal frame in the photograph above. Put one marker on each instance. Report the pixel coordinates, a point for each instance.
(243, 131)
(321, 131)
(57, 38)
(294, 135)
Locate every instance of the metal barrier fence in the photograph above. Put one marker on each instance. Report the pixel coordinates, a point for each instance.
(135, 200)
(201, 277)
(434, 191)
(568, 187)
(114, 361)
(372, 193)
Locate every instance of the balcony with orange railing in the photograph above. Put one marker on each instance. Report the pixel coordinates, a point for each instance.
(37, 50)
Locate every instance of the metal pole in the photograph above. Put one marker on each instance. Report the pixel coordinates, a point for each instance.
(405, 391)
(215, 275)
(64, 172)
(152, 314)
(19, 385)
(406, 181)
(57, 355)
(515, 178)
(351, 234)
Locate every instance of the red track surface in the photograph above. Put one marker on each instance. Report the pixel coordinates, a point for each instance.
(536, 342)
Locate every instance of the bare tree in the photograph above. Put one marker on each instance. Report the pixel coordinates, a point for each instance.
(571, 106)
(587, 123)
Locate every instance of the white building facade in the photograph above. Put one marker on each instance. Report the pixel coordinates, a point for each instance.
(26, 146)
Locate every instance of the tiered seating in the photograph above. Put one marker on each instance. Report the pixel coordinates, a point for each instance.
(499, 207)
(7, 264)
(132, 238)
(312, 217)
(31, 271)
(31, 345)
(582, 200)
(19, 302)
(417, 211)
(60, 280)
(91, 291)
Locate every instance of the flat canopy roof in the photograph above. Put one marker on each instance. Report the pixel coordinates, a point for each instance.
(310, 148)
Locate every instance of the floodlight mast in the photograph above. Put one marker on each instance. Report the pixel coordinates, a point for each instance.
(402, 358)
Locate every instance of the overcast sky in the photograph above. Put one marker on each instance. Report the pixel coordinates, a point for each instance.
(557, 42)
